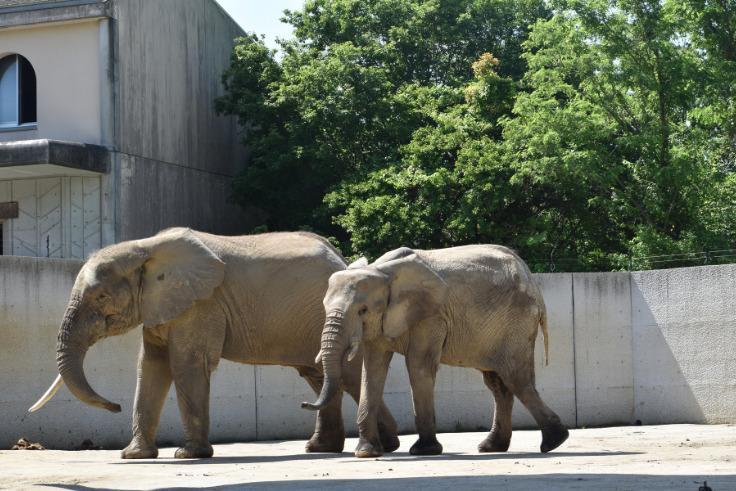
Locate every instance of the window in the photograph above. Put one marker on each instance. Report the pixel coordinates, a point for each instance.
(17, 92)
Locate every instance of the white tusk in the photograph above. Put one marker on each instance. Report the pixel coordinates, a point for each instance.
(354, 346)
(48, 395)
(318, 360)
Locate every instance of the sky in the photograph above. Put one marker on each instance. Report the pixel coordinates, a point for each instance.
(262, 16)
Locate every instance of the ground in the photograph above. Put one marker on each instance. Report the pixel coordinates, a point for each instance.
(670, 457)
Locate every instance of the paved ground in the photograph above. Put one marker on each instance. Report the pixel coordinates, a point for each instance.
(671, 457)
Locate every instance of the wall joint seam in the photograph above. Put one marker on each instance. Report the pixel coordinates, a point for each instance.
(574, 349)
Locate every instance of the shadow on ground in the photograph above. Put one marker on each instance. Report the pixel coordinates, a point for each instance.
(551, 482)
(396, 456)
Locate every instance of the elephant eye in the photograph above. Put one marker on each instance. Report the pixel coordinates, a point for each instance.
(103, 297)
(363, 310)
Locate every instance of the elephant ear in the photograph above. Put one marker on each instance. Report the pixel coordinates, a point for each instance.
(415, 293)
(179, 270)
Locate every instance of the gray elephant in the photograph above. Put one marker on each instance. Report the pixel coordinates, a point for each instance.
(200, 297)
(472, 306)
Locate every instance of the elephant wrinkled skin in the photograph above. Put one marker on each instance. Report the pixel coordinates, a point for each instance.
(200, 297)
(471, 306)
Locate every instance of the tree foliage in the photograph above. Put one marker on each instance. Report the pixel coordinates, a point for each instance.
(599, 130)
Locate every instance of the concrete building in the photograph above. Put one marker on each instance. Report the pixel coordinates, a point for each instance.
(108, 130)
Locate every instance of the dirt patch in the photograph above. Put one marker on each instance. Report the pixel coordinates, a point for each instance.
(25, 444)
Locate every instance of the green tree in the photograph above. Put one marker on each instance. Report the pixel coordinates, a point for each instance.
(602, 130)
(608, 132)
(351, 91)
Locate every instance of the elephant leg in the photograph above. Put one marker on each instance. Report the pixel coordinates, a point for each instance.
(554, 433)
(375, 369)
(192, 382)
(154, 380)
(329, 430)
(422, 361)
(194, 352)
(388, 430)
(499, 439)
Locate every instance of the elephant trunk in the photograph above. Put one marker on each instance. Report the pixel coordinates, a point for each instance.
(334, 346)
(73, 342)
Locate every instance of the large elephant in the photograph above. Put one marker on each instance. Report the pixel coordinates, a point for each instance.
(200, 297)
(472, 306)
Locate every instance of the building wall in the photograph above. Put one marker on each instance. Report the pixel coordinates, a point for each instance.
(156, 195)
(142, 83)
(171, 55)
(175, 154)
(653, 346)
(67, 61)
(58, 216)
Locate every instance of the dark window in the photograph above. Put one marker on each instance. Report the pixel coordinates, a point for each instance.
(26, 91)
(17, 91)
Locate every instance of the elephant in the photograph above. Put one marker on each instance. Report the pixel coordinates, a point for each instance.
(474, 306)
(253, 299)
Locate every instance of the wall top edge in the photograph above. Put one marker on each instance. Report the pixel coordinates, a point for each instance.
(7, 262)
(657, 271)
(17, 14)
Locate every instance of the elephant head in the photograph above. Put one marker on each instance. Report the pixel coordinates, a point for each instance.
(367, 302)
(144, 282)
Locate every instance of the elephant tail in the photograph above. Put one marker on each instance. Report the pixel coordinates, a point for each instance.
(545, 334)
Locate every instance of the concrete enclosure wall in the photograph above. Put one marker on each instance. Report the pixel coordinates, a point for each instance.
(654, 346)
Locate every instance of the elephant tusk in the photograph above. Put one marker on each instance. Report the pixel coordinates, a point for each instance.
(318, 359)
(48, 395)
(354, 346)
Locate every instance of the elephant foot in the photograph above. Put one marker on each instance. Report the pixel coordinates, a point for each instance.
(553, 436)
(325, 444)
(426, 447)
(194, 452)
(494, 444)
(366, 449)
(389, 443)
(139, 450)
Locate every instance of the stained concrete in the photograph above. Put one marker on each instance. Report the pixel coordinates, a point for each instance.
(78, 156)
(603, 371)
(156, 195)
(176, 156)
(623, 458)
(23, 13)
(170, 58)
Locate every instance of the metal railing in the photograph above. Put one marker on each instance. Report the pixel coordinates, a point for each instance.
(635, 263)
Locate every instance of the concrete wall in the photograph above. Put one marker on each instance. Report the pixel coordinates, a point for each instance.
(156, 195)
(171, 55)
(175, 154)
(654, 346)
(67, 61)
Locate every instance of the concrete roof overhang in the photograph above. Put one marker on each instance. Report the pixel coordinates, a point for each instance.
(15, 13)
(43, 158)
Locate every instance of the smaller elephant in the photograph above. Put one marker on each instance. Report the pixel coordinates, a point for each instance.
(472, 306)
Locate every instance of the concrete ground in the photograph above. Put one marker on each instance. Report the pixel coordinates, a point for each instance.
(670, 457)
